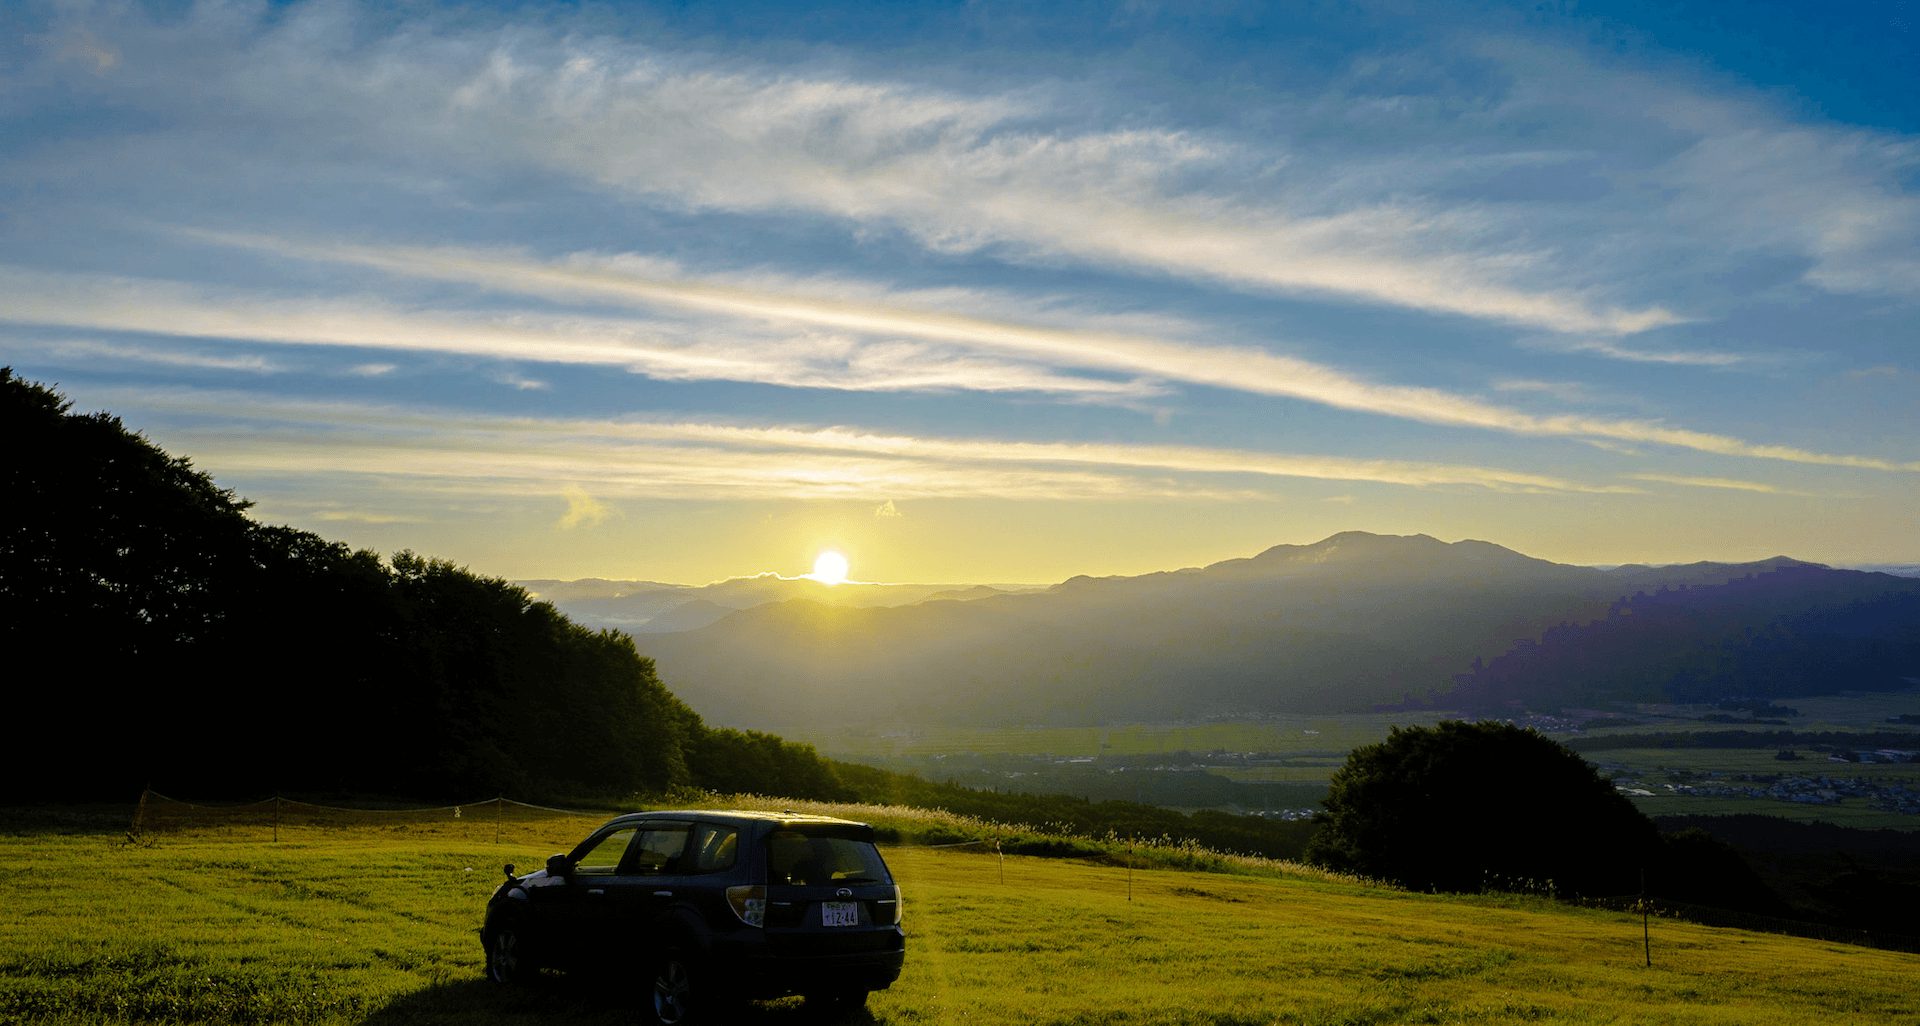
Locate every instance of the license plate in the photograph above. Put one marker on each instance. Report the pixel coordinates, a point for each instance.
(839, 913)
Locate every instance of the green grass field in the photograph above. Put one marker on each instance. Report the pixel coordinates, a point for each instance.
(1314, 747)
(377, 926)
(1303, 735)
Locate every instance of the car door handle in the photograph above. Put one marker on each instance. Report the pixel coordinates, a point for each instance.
(598, 892)
(663, 894)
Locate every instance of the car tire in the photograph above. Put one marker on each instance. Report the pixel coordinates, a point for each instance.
(507, 961)
(673, 997)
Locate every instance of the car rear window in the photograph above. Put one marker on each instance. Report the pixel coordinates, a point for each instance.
(802, 859)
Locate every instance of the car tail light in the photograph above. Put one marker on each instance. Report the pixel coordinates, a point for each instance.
(749, 903)
(887, 913)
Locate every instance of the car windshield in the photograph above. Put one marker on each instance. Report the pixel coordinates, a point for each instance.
(803, 859)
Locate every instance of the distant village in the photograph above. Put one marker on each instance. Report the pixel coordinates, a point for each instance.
(1812, 789)
(1796, 782)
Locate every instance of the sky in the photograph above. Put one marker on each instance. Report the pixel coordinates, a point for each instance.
(986, 292)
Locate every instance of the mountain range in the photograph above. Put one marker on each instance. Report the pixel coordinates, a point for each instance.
(1351, 623)
(650, 607)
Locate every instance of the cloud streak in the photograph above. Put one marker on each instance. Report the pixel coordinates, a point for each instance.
(704, 460)
(849, 363)
(1724, 483)
(661, 349)
(1024, 174)
(1631, 354)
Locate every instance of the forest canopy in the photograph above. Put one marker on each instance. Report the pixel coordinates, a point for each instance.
(161, 637)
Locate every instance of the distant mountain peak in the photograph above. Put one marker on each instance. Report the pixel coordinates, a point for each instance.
(1351, 548)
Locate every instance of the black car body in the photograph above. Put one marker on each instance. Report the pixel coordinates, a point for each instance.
(709, 907)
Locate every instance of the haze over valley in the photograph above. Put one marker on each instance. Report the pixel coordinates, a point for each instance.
(1349, 624)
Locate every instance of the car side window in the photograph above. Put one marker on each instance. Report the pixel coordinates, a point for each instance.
(603, 857)
(715, 848)
(660, 850)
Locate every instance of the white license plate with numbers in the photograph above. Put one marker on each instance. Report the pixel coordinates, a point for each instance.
(839, 913)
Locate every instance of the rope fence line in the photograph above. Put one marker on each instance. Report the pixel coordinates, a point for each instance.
(158, 813)
(283, 800)
(1707, 915)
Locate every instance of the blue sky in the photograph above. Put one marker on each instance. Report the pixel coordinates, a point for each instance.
(986, 291)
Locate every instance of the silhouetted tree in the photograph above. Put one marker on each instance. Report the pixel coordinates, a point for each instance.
(1465, 806)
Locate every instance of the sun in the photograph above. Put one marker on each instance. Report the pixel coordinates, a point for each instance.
(829, 567)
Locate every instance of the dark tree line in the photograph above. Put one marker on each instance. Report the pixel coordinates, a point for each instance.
(156, 635)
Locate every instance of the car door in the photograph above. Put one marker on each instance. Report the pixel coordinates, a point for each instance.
(573, 906)
(620, 907)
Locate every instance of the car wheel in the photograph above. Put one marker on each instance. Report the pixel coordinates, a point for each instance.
(506, 956)
(673, 993)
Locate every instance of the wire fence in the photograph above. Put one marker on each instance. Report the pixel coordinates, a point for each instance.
(1707, 915)
(497, 820)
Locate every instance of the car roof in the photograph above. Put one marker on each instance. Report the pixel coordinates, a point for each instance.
(739, 816)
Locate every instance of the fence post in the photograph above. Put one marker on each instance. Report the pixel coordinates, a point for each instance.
(276, 818)
(1646, 935)
(140, 814)
(499, 809)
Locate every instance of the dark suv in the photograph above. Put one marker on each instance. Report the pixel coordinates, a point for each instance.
(712, 907)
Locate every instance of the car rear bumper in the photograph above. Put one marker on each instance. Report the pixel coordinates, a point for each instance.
(791, 967)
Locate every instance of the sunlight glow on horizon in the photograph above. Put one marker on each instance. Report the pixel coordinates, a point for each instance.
(830, 568)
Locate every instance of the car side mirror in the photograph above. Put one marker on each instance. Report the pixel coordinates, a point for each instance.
(557, 865)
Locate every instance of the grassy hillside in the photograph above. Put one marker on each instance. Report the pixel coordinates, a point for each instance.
(375, 928)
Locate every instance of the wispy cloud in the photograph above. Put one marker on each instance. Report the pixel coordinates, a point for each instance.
(1730, 175)
(1029, 174)
(358, 516)
(1633, 354)
(93, 352)
(704, 459)
(521, 382)
(1564, 391)
(583, 510)
(966, 174)
(663, 349)
(1726, 483)
(824, 360)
